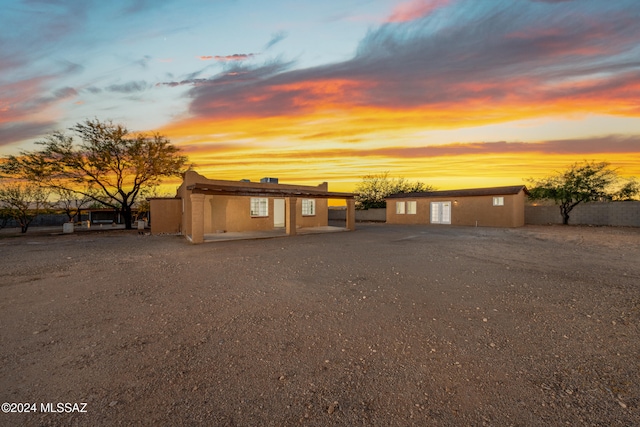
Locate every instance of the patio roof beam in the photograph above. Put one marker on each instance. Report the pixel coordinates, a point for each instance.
(266, 192)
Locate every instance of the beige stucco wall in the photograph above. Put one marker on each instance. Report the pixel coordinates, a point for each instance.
(320, 219)
(518, 209)
(420, 217)
(470, 210)
(185, 195)
(166, 215)
(232, 213)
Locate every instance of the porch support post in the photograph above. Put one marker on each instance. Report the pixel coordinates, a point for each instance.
(290, 217)
(351, 214)
(197, 218)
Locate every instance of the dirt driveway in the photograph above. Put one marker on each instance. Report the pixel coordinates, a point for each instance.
(385, 326)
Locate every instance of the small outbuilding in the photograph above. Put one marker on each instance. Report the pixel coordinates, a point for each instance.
(486, 207)
(204, 206)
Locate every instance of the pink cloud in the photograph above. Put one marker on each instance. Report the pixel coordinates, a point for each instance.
(415, 9)
(234, 57)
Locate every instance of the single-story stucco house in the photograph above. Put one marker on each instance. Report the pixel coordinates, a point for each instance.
(486, 207)
(205, 206)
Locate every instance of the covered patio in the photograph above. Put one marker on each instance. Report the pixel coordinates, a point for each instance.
(224, 210)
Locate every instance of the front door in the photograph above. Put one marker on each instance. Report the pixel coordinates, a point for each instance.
(440, 212)
(278, 213)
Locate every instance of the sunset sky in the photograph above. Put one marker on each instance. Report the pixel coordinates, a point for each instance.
(454, 93)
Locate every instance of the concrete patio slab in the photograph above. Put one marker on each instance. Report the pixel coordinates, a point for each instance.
(269, 234)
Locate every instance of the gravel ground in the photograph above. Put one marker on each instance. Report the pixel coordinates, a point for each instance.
(385, 326)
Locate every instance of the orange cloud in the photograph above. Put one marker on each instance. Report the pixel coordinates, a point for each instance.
(345, 145)
(338, 109)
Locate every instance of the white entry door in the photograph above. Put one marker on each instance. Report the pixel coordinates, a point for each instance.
(440, 212)
(278, 213)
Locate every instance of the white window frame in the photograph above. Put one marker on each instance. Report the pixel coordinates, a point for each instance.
(412, 207)
(400, 208)
(308, 207)
(259, 207)
(498, 200)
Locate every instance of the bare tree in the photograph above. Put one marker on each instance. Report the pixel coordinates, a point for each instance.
(23, 202)
(72, 202)
(5, 215)
(110, 164)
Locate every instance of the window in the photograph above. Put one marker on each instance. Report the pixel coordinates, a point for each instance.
(400, 208)
(498, 201)
(259, 206)
(308, 207)
(411, 207)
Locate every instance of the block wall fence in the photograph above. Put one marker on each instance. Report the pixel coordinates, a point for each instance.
(367, 215)
(619, 214)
